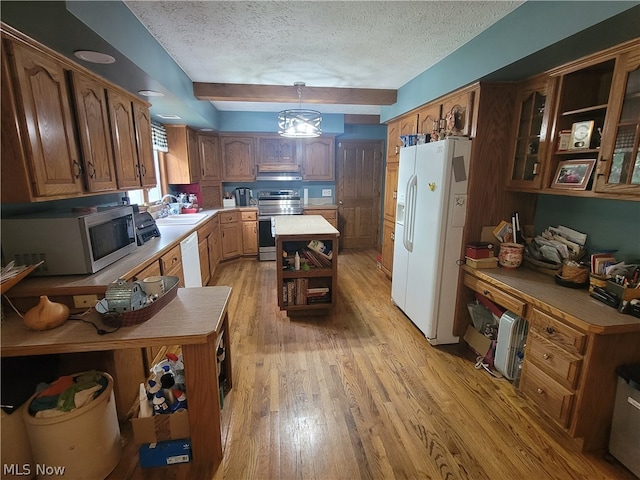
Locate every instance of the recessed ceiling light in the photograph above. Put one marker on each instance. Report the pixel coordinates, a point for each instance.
(94, 57)
(206, 129)
(169, 116)
(150, 93)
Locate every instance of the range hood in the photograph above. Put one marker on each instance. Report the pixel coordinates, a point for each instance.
(278, 172)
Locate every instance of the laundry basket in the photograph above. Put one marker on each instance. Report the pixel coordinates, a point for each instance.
(84, 442)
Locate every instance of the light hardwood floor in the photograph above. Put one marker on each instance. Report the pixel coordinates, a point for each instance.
(359, 393)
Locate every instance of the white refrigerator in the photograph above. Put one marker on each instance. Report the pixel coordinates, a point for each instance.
(430, 215)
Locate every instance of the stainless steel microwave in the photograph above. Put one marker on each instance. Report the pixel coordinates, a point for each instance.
(68, 242)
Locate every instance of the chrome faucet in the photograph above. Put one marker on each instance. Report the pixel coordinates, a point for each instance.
(169, 196)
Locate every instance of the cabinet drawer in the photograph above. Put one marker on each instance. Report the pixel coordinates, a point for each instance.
(149, 271)
(229, 217)
(249, 216)
(557, 332)
(496, 295)
(205, 230)
(170, 259)
(554, 360)
(554, 399)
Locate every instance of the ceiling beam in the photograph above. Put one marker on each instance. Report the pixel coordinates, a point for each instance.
(233, 92)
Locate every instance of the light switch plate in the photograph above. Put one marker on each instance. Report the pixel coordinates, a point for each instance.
(326, 192)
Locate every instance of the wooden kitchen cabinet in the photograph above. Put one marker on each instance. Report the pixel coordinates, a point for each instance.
(598, 91)
(67, 139)
(203, 250)
(393, 141)
(230, 234)
(131, 134)
(429, 118)
(209, 148)
(530, 134)
(318, 159)
(249, 232)
(388, 237)
(238, 158)
(144, 144)
(276, 150)
(94, 133)
(203, 253)
(573, 348)
(390, 191)
(618, 169)
(36, 95)
(183, 157)
(214, 246)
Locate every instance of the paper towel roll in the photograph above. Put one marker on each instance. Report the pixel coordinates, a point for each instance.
(306, 196)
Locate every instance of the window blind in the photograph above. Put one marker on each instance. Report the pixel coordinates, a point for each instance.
(159, 137)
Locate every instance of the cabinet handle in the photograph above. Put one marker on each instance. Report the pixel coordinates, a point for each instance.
(92, 170)
(546, 356)
(535, 168)
(143, 170)
(540, 391)
(77, 169)
(550, 330)
(393, 235)
(486, 292)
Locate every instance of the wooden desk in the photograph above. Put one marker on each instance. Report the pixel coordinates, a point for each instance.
(194, 319)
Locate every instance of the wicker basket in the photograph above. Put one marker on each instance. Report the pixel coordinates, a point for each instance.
(597, 281)
(573, 274)
(141, 315)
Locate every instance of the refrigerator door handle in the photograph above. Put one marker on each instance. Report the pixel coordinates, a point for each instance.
(409, 230)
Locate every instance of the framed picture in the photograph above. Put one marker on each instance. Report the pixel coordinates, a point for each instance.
(573, 174)
(581, 135)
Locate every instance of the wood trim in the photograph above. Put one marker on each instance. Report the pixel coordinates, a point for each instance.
(354, 119)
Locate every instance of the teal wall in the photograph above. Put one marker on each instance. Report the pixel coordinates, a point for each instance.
(533, 26)
(609, 224)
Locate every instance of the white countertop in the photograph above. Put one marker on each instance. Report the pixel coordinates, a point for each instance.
(303, 225)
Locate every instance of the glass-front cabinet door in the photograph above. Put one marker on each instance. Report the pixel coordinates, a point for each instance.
(619, 165)
(530, 142)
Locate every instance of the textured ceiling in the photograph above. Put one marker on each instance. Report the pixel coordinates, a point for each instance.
(371, 44)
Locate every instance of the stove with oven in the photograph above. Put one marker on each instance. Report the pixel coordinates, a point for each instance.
(272, 203)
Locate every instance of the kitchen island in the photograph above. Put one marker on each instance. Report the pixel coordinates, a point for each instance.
(313, 286)
(196, 319)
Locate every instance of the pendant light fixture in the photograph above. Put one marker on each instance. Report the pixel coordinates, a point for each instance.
(299, 123)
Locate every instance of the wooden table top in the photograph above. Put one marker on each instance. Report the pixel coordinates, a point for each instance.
(191, 318)
(574, 305)
(307, 225)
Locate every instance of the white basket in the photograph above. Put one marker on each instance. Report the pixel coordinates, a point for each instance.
(85, 442)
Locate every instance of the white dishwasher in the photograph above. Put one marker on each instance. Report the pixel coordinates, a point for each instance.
(191, 261)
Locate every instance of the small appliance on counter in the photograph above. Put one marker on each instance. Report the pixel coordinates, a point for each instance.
(243, 197)
(146, 227)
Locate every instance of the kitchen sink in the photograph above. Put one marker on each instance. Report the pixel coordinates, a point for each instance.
(184, 219)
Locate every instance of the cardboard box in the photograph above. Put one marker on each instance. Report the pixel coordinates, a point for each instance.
(478, 342)
(161, 454)
(160, 428)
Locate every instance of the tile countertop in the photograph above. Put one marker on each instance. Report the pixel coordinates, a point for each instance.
(123, 268)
